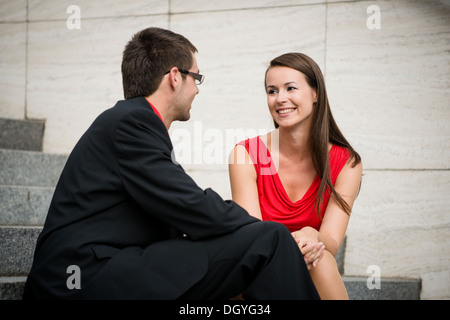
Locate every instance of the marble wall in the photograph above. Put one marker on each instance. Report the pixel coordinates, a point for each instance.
(387, 77)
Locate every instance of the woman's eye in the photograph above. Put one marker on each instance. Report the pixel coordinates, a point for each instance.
(291, 88)
(271, 91)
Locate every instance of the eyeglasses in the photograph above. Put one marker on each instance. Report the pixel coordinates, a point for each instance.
(199, 78)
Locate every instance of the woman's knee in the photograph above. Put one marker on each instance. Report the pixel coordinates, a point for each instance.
(327, 265)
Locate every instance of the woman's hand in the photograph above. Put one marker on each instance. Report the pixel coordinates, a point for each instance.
(312, 252)
(310, 247)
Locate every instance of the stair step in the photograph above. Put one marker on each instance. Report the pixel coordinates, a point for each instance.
(21, 134)
(390, 289)
(17, 249)
(21, 205)
(11, 288)
(30, 168)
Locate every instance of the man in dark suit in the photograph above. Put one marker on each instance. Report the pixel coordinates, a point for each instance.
(126, 221)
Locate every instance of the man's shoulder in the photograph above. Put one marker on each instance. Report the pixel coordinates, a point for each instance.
(136, 107)
(138, 104)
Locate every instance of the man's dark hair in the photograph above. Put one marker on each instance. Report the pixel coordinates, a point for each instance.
(149, 55)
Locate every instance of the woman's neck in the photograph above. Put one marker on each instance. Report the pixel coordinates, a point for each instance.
(294, 143)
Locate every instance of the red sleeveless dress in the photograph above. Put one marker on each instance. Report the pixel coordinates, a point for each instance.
(274, 202)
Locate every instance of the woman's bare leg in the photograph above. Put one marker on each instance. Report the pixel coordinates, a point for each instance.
(327, 279)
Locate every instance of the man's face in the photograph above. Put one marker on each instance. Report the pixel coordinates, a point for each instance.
(187, 93)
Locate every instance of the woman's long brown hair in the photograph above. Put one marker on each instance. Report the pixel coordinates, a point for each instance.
(323, 127)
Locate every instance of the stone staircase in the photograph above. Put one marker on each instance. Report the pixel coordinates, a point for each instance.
(27, 181)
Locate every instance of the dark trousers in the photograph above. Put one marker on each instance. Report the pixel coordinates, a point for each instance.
(260, 260)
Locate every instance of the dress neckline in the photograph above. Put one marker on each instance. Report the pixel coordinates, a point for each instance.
(280, 183)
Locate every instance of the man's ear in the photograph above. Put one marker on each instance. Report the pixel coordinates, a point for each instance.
(174, 77)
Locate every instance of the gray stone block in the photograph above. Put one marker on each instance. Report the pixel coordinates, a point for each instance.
(17, 250)
(27, 206)
(11, 288)
(390, 289)
(30, 168)
(21, 134)
(340, 256)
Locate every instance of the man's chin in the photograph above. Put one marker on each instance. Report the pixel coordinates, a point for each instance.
(185, 117)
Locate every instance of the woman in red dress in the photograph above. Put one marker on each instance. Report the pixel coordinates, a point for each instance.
(304, 174)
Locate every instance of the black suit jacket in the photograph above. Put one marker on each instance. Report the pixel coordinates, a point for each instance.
(127, 215)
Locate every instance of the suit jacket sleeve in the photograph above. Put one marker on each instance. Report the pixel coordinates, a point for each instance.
(162, 188)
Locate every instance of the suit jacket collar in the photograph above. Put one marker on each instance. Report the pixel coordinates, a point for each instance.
(158, 123)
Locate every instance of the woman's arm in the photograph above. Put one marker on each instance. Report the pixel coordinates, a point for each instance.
(335, 221)
(242, 173)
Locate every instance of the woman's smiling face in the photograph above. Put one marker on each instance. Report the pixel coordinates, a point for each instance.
(289, 97)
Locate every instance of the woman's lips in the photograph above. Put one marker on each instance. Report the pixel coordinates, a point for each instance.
(285, 111)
